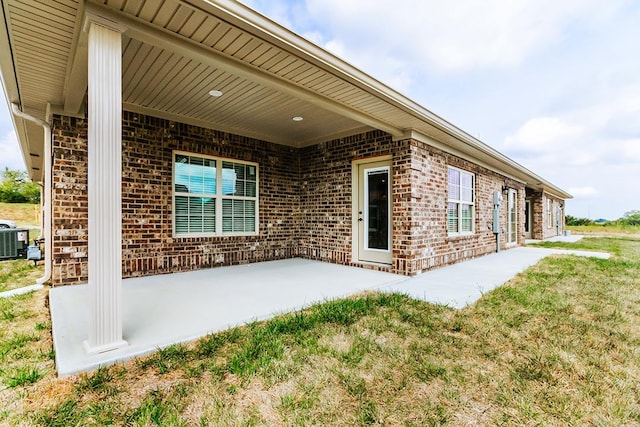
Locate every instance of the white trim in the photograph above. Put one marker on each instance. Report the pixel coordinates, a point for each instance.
(355, 179)
(218, 196)
(460, 202)
(104, 189)
(529, 218)
(512, 195)
(365, 214)
(250, 21)
(420, 137)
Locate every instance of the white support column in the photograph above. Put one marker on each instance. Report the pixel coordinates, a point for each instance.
(104, 186)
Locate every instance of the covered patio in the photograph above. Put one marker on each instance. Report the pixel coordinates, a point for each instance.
(166, 309)
(161, 310)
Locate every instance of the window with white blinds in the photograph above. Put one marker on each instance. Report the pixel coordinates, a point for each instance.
(214, 196)
(460, 206)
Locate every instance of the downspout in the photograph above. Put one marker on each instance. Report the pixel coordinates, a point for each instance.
(47, 191)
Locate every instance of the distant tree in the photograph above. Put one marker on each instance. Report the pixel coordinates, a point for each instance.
(572, 220)
(16, 187)
(630, 218)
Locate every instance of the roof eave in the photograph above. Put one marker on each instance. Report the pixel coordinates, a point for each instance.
(253, 21)
(12, 94)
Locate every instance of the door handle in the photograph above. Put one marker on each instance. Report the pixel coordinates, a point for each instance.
(359, 219)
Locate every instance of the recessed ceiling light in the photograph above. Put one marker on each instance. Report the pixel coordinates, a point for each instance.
(297, 119)
(215, 93)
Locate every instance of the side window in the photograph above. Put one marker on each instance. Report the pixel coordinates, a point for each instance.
(460, 204)
(214, 196)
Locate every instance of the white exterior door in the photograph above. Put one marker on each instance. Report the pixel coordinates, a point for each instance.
(373, 213)
(512, 218)
(527, 219)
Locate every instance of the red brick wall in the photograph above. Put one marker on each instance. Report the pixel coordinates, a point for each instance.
(69, 201)
(541, 229)
(325, 193)
(148, 245)
(423, 211)
(305, 201)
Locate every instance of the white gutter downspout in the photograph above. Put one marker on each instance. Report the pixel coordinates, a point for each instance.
(47, 191)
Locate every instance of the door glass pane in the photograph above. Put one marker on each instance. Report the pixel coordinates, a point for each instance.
(467, 218)
(512, 218)
(378, 209)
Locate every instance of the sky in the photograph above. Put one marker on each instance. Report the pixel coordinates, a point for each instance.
(555, 85)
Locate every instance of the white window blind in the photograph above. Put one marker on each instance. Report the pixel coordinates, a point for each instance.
(460, 206)
(214, 196)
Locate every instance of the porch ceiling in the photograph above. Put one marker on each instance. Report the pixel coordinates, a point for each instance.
(176, 51)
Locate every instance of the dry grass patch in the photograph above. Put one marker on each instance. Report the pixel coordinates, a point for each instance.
(24, 214)
(558, 345)
(606, 230)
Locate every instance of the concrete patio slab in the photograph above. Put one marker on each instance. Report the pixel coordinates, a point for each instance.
(572, 238)
(167, 309)
(461, 284)
(20, 291)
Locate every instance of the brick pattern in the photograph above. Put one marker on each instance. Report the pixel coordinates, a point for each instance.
(69, 201)
(540, 227)
(305, 201)
(325, 194)
(148, 245)
(422, 211)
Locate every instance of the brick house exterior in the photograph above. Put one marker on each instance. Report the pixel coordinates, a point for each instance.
(179, 135)
(304, 211)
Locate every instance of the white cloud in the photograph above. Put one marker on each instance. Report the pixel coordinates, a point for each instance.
(544, 141)
(541, 134)
(10, 154)
(584, 192)
(593, 150)
(452, 36)
(631, 151)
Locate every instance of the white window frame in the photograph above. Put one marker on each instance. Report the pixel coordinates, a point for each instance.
(459, 202)
(512, 216)
(218, 196)
(549, 213)
(367, 218)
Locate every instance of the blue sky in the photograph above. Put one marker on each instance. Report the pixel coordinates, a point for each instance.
(554, 85)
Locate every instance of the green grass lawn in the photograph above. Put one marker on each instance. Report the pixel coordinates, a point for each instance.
(608, 229)
(558, 345)
(18, 273)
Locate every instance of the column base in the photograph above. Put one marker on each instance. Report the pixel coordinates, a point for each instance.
(91, 350)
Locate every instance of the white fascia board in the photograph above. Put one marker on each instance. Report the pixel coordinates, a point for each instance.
(12, 92)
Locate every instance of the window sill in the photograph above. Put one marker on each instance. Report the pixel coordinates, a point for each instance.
(208, 236)
(459, 236)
